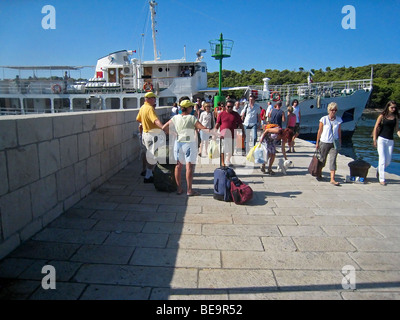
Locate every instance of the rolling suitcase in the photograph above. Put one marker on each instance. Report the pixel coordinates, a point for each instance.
(222, 182)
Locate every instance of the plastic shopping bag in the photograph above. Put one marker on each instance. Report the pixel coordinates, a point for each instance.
(250, 155)
(213, 150)
(259, 154)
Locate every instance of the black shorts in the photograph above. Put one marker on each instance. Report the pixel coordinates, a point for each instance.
(296, 129)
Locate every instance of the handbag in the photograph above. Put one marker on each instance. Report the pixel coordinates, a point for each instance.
(240, 192)
(336, 142)
(314, 164)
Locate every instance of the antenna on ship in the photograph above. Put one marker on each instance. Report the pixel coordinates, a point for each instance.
(153, 26)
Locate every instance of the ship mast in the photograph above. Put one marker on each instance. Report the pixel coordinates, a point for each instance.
(153, 26)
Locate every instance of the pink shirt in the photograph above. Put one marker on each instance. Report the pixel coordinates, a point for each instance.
(291, 120)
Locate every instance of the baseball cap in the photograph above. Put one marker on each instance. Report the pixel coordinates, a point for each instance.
(150, 95)
(186, 104)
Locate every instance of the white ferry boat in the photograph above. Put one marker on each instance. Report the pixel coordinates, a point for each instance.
(120, 82)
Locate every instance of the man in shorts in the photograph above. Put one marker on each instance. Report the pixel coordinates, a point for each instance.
(152, 135)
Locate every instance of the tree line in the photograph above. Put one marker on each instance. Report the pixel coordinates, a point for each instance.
(386, 79)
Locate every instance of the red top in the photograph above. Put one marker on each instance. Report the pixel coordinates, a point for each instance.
(229, 121)
(262, 114)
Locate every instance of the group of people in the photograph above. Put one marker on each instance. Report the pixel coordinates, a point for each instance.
(195, 123)
(329, 139)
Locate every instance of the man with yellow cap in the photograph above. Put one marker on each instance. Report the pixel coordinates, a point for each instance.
(185, 148)
(152, 134)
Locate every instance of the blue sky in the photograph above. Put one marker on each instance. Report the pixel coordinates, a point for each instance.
(285, 34)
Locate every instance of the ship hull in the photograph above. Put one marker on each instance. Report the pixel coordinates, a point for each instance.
(350, 109)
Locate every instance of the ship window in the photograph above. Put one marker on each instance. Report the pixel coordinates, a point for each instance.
(167, 101)
(112, 103)
(130, 103)
(348, 115)
(160, 69)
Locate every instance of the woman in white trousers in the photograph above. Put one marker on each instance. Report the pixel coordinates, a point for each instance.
(385, 126)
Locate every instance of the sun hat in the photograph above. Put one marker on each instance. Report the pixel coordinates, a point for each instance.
(150, 95)
(186, 104)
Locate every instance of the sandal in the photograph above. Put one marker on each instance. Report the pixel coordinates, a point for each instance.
(335, 183)
(271, 172)
(179, 192)
(193, 194)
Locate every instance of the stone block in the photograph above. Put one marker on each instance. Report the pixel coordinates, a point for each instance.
(30, 229)
(66, 125)
(96, 142)
(33, 130)
(16, 212)
(68, 151)
(111, 118)
(44, 195)
(8, 134)
(89, 122)
(80, 175)
(3, 174)
(101, 120)
(65, 183)
(83, 146)
(23, 166)
(9, 245)
(93, 168)
(228, 278)
(108, 138)
(178, 258)
(49, 157)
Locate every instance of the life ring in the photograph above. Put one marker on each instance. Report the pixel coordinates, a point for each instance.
(56, 88)
(275, 96)
(147, 87)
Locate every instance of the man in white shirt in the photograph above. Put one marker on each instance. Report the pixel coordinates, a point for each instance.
(251, 119)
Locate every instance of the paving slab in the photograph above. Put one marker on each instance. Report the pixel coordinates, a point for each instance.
(298, 238)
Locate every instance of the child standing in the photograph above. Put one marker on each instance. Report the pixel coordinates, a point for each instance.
(291, 123)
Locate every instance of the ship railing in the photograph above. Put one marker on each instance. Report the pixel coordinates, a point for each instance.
(313, 90)
(33, 86)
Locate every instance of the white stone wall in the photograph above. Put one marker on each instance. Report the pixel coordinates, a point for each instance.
(49, 162)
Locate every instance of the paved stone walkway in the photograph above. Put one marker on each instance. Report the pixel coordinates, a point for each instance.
(128, 241)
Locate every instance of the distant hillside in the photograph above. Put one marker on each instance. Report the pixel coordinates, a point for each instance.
(386, 79)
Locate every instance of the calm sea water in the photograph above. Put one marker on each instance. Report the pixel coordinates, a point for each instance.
(361, 147)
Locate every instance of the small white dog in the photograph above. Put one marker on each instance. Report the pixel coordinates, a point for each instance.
(283, 165)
